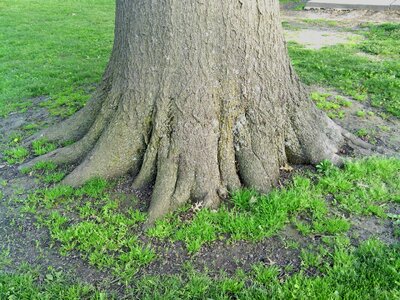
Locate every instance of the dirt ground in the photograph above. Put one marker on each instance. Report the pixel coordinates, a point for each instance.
(348, 18)
(28, 243)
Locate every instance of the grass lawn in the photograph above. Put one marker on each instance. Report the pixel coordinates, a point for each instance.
(58, 50)
(365, 79)
(54, 49)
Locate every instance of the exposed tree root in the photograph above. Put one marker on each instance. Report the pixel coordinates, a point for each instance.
(120, 146)
(75, 152)
(190, 158)
(75, 127)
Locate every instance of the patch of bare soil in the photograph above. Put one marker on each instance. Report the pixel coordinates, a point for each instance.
(227, 257)
(371, 124)
(348, 18)
(318, 38)
(318, 28)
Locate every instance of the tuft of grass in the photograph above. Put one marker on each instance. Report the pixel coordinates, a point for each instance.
(396, 224)
(45, 171)
(294, 4)
(5, 260)
(54, 285)
(42, 146)
(321, 22)
(361, 114)
(362, 133)
(16, 155)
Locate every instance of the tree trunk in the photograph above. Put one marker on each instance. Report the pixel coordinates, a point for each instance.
(200, 97)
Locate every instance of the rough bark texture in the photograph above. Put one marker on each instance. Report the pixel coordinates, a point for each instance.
(200, 98)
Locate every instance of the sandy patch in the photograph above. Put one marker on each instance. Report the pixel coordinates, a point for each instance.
(318, 38)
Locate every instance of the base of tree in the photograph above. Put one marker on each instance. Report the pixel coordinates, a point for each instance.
(201, 105)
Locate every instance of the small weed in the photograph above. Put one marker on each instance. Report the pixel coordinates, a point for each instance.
(292, 244)
(396, 224)
(384, 128)
(324, 167)
(31, 127)
(361, 114)
(362, 133)
(15, 138)
(5, 258)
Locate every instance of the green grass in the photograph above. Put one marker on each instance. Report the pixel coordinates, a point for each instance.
(359, 77)
(54, 285)
(101, 228)
(361, 188)
(64, 61)
(56, 49)
(383, 40)
(332, 105)
(365, 186)
(4, 258)
(106, 233)
(321, 22)
(41, 147)
(371, 271)
(46, 172)
(16, 155)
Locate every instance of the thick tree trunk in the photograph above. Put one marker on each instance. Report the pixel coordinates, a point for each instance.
(200, 97)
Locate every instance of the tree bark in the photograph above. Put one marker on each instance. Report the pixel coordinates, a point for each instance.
(200, 98)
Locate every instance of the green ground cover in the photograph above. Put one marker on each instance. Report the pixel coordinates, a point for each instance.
(363, 78)
(107, 234)
(369, 272)
(54, 286)
(54, 49)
